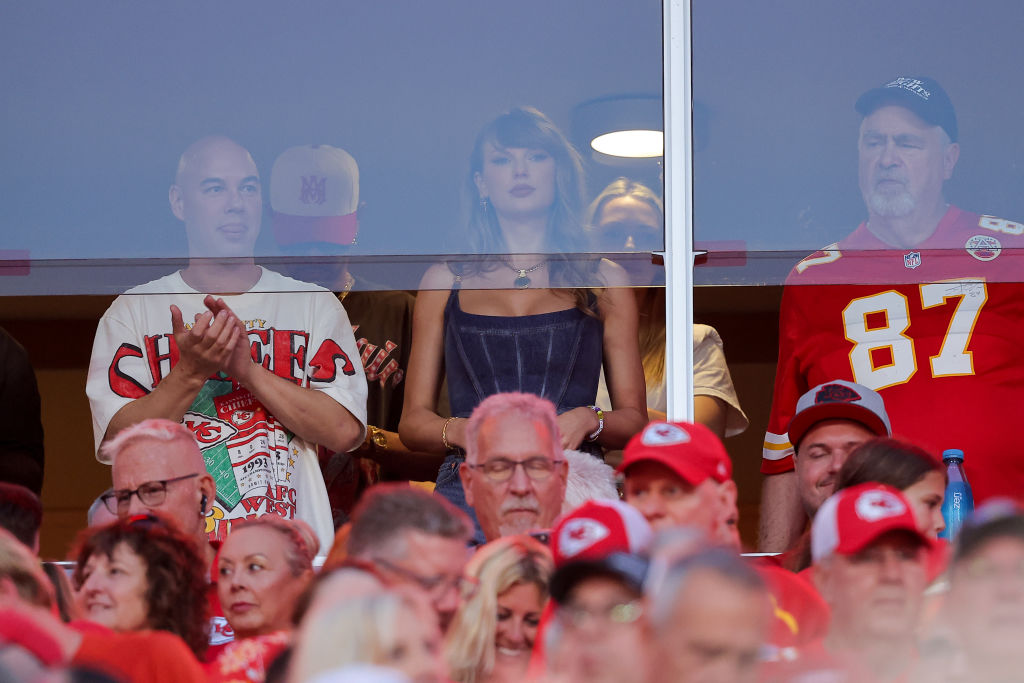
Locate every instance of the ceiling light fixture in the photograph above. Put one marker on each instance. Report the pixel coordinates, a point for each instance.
(635, 144)
(620, 127)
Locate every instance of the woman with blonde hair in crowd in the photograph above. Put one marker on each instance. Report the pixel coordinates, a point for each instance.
(534, 313)
(492, 636)
(263, 567)
(394, 629)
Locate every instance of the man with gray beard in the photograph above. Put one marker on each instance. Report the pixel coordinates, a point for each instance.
(515, 471)
(923, 306)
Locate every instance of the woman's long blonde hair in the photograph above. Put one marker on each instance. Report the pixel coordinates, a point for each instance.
(358, 630)
(498, 566)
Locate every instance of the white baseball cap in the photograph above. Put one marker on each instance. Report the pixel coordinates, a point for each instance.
(314, 195)
(839, 400)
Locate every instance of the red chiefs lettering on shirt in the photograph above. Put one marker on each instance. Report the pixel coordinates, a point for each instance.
(283, 352)
(373, 358)
(278, 499)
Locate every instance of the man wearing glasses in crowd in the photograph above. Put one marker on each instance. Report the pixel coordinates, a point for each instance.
(515, 473)
(405, 536)
(157, 467)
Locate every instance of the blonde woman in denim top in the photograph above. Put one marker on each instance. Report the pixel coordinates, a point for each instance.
(534, 313)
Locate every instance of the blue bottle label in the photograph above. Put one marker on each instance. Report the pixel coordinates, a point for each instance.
(957, 506)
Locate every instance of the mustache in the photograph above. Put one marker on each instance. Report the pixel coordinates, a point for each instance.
(893, 175)
(528, 502)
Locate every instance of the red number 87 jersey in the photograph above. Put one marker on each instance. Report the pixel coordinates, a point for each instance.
(937, 330)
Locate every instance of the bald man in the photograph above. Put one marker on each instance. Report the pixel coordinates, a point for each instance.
(260, 367)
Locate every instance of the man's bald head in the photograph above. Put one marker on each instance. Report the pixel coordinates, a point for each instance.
(210, 145)
(155, 451)
(217, 195)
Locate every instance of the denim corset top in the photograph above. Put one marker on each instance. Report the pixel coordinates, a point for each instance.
(555, 355)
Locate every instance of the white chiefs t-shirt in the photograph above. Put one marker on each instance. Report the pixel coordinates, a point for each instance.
(297, 330)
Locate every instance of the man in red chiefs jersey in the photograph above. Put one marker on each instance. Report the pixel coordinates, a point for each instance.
(921, 307)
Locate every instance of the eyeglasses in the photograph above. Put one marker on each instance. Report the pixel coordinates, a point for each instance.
(618, 614)
(151, 494)
(501, 469)
(435, 586)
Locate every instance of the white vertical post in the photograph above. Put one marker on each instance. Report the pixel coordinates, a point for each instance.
(678, 97)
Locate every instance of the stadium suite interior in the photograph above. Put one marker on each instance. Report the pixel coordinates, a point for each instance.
(774, 157)
(74, 477)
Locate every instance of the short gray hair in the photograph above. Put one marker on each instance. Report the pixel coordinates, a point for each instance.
(157, 429)
(387, 511)
(531, 407)
(663, 593)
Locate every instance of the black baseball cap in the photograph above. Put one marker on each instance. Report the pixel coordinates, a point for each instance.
(920, 94)
(628, 568)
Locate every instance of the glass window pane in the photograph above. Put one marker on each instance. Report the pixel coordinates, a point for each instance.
(95, 124)
(776, 131)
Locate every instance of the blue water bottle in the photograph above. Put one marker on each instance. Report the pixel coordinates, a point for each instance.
(959, 502)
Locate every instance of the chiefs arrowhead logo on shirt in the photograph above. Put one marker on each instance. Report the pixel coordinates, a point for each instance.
(664, 435)
(209, 431)
(579, 534)
(872, 506)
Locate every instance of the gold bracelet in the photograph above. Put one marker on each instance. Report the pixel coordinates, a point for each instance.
(444, 434)
(376, 438)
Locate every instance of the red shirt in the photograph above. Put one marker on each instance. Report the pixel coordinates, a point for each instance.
(936, 329)
(246, 660)
(800, 613)
(137, 656)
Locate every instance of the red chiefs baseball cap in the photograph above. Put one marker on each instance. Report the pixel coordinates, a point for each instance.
(851, 519)
(839, 400)
(598, 528)
(690, 450)
(599, 538)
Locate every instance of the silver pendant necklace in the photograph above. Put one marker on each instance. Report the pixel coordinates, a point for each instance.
(522, 281)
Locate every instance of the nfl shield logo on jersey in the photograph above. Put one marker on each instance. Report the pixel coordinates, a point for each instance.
(912, 260)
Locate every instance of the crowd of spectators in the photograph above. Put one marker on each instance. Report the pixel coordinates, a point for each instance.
(267, 518)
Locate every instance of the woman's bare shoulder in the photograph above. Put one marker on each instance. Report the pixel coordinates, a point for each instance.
(438, 276)
(612, 274)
